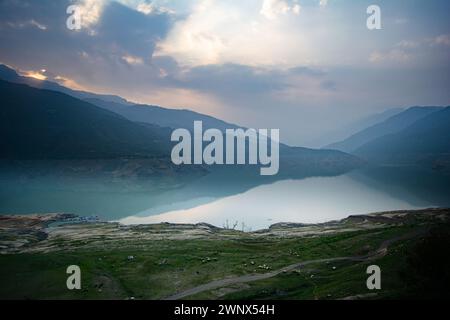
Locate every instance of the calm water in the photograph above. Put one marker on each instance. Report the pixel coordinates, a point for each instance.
(244, 202)
(309, 201)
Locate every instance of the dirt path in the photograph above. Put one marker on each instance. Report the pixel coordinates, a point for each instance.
(380, 252)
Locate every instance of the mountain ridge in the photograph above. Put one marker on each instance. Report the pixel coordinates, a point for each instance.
(391, 125)
(39, 123)
(426, 140)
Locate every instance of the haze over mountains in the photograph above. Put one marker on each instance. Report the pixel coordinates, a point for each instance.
(51, 124)
(121, 147)
(11, 75)
(171, 118)
(59, 122)
(139, 113)
(343, 132)
(387, 126)
(418, 135)
(427, 140)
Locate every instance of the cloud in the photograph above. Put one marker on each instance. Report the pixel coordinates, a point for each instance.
(252, 62)
(241, 87)
(443, 39)
(104, 61)
(39, 75)
(408, 44)
(271, 9)
(145, 8)
(90, 11)
(26, 24)
(421, 50)
(219, 32)
(401, 21)
(37, 24)
(69, 83)
(394, 55)
(132, 60)
(150, 7)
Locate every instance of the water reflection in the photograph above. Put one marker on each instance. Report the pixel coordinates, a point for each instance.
(230, 196)
(310, 200)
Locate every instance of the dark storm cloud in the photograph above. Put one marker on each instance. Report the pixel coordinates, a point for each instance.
(355, 73)
(237, 80)
(34, 35)
(96, 55)
(232, 78)
(130, 31)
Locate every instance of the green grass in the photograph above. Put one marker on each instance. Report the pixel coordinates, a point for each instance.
(321, 281)
(161, 268)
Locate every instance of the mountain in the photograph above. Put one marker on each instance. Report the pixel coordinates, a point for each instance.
(162, 116)
(295, 161)
(10, 75)
(424, 141)
(328, 139)
(374, 119)
(152, 120)
(155, 115)
(44, 124)
(392, 125)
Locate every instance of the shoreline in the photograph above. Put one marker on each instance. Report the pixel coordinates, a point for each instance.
(44, 232)
(71, 218)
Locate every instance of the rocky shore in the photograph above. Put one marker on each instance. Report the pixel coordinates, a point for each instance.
(46, 232)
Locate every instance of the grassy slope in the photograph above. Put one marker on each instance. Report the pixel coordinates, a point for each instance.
(163, 267)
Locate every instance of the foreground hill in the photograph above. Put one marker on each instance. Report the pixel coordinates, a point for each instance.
(166, 261)
(43, 124)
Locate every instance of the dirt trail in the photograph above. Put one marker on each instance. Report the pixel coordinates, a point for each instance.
(380, 252)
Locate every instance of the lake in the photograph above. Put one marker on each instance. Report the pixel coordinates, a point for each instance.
(246, 204)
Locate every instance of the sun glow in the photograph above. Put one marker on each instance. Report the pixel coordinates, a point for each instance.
(36, 75)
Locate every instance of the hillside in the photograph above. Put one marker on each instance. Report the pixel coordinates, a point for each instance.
(391, 125)
(287, 261)
(11, 75)
(328, 139)
(160, 116)
(113, 130)
(42, 124)
(425, 141)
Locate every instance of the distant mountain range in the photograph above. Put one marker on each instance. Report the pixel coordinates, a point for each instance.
(393, 124)
(427, 140)
(418, 135)
(171, 118)
(343, 132)
(163, 117)
(55, 123)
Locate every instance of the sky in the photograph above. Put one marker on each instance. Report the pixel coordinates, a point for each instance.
(306, 67)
